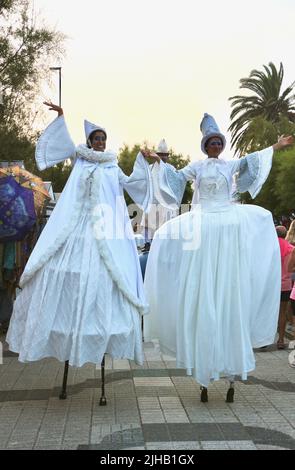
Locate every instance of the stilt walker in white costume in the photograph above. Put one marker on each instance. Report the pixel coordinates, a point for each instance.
(213, 274)
(82, 292)
(158, 213)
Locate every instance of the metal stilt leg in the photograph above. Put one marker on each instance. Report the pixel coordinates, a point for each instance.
(102, 401)
(231, 390)
(63, 393)
(204, 394)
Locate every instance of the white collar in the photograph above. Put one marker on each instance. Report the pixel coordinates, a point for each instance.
(94, 156)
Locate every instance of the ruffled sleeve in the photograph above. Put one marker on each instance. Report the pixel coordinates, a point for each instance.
(54, 145)
(169, 183)
(252, 171)
(139, 184)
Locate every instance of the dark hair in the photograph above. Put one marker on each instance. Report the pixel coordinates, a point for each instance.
(281, 231)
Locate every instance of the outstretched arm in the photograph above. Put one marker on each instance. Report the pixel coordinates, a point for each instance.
(283, 142)
(146, 153)
(54, 144)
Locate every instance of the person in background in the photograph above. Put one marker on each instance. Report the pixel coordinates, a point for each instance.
(290, 237)
(159, 213)
(286, 287)
(291, 268)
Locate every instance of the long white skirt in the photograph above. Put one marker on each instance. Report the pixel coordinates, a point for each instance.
(210, 306)
(72, 310)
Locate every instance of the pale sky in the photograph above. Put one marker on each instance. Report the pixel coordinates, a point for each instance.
(147, 70)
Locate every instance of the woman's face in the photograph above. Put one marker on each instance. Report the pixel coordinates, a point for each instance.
(98, 141)
(214, 147)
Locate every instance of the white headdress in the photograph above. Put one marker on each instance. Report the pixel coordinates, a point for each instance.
(90, 127)
(162, 147)
(210, 129)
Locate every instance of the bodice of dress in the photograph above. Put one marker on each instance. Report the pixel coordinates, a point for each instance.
(214, 185)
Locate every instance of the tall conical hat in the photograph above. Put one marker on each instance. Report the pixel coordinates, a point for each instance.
(210, 129)
(90, 127)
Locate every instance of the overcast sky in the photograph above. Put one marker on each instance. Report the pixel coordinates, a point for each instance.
(148, 70)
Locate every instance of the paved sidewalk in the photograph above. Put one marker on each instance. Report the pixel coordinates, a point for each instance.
(151, 407)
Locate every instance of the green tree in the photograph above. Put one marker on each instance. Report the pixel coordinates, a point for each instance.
(268, 105)
(25, 51)
(284, 185)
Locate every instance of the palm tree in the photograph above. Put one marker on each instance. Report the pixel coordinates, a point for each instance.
(267, 102)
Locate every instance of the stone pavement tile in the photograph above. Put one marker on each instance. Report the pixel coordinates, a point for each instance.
(170, 364)
(270, 436)
(155, 432)
(241, 445)
(121, 364)
(186, 445)
(236, 430)
(165, 445)
(196, 417)
(153, 382)
(8, 379)
(176, 417)
(214, 445)
(269, 447)
(156, 365)
(152, 417)
(136, 448)
(148, 403)
(195, 432)
(47, 447)
(170, 403)
(133, 365)
(155, 391)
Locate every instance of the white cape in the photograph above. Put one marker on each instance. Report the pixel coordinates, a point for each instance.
(82, 287)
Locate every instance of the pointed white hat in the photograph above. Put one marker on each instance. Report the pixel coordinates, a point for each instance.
(162, 147)
(90, 127)
(210, 129)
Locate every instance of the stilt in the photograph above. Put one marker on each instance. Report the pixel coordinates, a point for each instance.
(142, 329)
(63, 393)
(102, 401)
(204, 394)
(230, 392)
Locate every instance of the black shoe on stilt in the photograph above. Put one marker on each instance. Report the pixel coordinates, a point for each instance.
(204, 394)
(230, 395)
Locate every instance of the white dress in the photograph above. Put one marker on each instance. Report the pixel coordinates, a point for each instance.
(82, 292)
(213, 274)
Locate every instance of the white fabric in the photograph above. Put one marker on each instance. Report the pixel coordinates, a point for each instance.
(89, 127)
(82, 286)
(159, 213)
(162, 147)
(54, 145)
(214, 293)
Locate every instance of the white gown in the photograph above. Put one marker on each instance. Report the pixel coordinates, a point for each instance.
(213, 274)
(82, 291)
